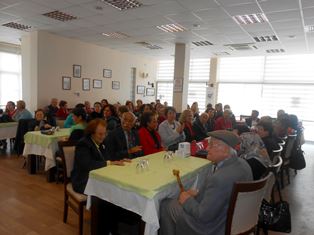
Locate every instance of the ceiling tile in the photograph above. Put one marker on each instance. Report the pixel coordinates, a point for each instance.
(279, 5)
(198, 4)
(308, 12)
(243, 9)
(307, 3)
(55, 4)
(284, 15)
(234, 2)
(78, 11)
(212, 14)
(287, 24)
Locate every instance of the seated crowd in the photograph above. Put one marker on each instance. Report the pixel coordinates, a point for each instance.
(113, 134)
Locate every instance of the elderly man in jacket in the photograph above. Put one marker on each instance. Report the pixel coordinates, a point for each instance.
(205, 211)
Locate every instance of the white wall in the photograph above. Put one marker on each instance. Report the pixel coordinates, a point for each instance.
(56, 56)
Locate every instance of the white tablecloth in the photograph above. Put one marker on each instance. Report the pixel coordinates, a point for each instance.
(8, 132)
(145, 207)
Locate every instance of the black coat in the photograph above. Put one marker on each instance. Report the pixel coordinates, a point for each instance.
(248, 121)
(200, 130)
(87, 158)
(116, 145)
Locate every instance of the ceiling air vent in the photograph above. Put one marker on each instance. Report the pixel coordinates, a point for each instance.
(117, 35)
(221, 53)
(202, 43)
(123, 4)
(61, 16)
(250, 19)
(266, 38)
(309, 28)
(171, 28)
(241, 46)
(18, 26)
(149, 45)
(275, 51)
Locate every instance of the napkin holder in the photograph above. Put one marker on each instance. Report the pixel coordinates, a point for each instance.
(184, 149)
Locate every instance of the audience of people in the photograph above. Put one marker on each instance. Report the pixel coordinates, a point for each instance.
(200, 127)
(224, 122)
(186, 119)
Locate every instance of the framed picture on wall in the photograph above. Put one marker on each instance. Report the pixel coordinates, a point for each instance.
(97, 84)
(77, 70)
(66, 83)
(115, 85)
(86, 84)
(140, 90)
(107, 73)
(150, 91)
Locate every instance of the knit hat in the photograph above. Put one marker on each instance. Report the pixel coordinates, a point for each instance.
(228, 137)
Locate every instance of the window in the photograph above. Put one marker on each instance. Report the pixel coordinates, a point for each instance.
(10, 78)
(165, 73)
(282, 82)
(164, 92)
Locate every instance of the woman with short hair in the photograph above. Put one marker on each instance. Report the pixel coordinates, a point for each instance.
(186, 118)
(63, 111)
(21, 111)
(111, 116)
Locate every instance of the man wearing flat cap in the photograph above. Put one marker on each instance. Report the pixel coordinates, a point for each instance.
(205, 211)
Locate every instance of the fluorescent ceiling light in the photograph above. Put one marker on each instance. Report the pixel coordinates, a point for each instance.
(171, 28)
(250, 19)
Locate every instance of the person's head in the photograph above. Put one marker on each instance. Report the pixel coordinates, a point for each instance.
(240, 129)
(97, 107)
(218, 107)
(254, 114)
(78, 115)
(221, 145)
(54, 102)
(210, 112)
(128, 120)
(130, 105)
(227, 106)
(209, 106)
(39, 115)
(97, 130)
(149, 121)
(80, 105)
(139, 103)
(158, 101)
(146, 108)
(170, 113)
(194, 107)
(280, 113)
(186, 116)
(10, 106)
(204, 118)
(264, 129)
(104, 102)
(158, 107)
(122, 109)
(63, 104)
(109, 110)
(227, 114)
(20, 105)
(87, 104)
(293, 122)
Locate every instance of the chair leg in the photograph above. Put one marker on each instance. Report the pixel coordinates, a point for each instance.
(65, 209)
(81, 217)
(288, 174)
(282, 179)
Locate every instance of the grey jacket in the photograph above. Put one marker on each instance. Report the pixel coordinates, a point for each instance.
(207, 213)
(169, 135)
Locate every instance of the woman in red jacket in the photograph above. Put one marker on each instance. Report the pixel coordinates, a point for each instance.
(149, 137)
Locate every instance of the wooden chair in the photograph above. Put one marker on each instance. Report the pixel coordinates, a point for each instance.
(244, 207)
(73, 199)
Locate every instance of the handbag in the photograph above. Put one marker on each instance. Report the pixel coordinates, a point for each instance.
(297, 160)
(275, 217)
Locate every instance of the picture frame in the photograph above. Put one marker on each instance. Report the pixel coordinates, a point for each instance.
(77, 71)
(97, 84)
(66, 83)
(140, 90)
(107, 73)
(86, 84)
(150, 91)
(115, 85)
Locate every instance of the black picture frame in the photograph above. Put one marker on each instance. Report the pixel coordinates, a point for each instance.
(150, 92)
(97, 84)
(66, 83)
(85, 84)
(140, 90)
(77, 71)
(107, 73)
(115, 85)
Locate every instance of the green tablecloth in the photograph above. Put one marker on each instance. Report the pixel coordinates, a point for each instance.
(149, 182)
(8, 124)
(35, 137)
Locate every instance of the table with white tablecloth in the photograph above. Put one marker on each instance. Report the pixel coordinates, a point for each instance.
(8, 130)
(141, 191)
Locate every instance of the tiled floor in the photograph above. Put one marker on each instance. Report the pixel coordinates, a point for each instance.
(31, 206)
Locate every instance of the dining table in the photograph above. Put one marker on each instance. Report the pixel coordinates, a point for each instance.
(141, 185)
(8, 130)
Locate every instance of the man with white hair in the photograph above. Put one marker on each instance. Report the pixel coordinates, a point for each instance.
(204, 211)
(123, 142)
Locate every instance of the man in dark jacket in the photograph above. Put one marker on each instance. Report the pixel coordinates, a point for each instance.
(199, 127)
(124, 142)
(253, 120)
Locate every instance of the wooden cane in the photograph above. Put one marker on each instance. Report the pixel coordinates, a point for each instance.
(177, 174)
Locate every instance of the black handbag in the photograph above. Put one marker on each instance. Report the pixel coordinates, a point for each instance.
(275, 217)
(297, 160)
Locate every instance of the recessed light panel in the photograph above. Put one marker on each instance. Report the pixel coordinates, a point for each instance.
(202, 43)
(61, 16)
(270, 38)
(250, 19)
(171, 28)
(118, 35)
(18, 26)
(275, 51)
(149, 46)
(309, 28)
(221, 53)
(123, 4)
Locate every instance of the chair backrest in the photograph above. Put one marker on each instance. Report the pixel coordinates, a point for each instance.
(67, 152)
(277, 152)
(269, 187)
(244, 206)
(277, 162)
(60, 123)
(289, 146)
(243, 117)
